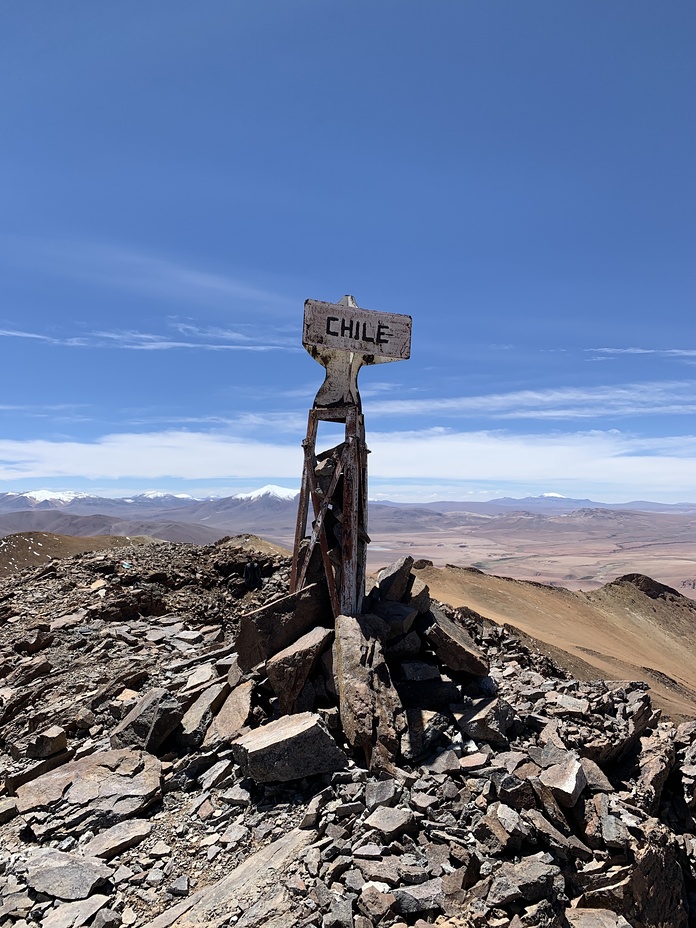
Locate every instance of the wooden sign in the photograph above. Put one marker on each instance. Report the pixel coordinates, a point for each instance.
(378, 336)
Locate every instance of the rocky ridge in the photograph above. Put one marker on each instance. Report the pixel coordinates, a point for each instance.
(173, 754)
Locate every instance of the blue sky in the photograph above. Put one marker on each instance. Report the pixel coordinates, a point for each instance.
(177, 178)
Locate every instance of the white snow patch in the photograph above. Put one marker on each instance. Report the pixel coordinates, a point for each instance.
(62, 496)
(269, 492)
(554, 495)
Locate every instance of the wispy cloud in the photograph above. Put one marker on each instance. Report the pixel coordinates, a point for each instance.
(150, 275)
(243, 424)
(60, 410)
(217, 340)
(663, 352)
(611, 401)
(72, 341)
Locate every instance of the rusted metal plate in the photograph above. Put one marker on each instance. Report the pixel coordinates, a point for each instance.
(378, 336)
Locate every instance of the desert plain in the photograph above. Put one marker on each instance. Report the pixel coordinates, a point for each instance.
(580, 550)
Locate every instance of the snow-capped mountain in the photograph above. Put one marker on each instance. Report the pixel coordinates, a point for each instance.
(61, 496)
(270, 491)
(160, 494)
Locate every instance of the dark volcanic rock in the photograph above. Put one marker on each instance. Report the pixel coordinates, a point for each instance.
(526, 799)
(65, 876)
(455, 647)
(149, 722)
(289, 669)
(276, 625)
(290, 748)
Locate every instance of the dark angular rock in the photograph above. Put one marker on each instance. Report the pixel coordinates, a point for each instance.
(118, 838)
(368, 703)
(566, 781)
(232, 717)
(516, 793)
(597, 781)
(418, 595)
(276, 625)
(381, 793)
(289, 669)
(656, 759)
(394, 580)
(375, 903)
(454, 645)
(290, 748)
(107, 918)
(423, 897)
(198, 717)
(530, 879)
(406, 647)
(48, 742)
(151, 720)
(398, 617)
(431, 694)
(485, 719)
(391, 822)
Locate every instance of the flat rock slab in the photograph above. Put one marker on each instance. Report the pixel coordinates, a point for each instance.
(455, 647)
(253, 887)
(276, 625)
(289, 748)
(595, 918)
(391, 822)
(65, 875)
(421, 897)
(119, 838)
(74, 914)
(289, 669)
(105, 788)
(198, 717)
(232, 717)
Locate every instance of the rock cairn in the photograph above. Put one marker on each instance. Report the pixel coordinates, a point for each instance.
(178, 751)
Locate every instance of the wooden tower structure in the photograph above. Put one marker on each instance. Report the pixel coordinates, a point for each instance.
(343, 338)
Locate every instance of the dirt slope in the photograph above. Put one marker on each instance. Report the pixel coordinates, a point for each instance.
(34, 549)
(63, 523)
(632, 628)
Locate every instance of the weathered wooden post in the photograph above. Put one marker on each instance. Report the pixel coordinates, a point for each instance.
(341, 337)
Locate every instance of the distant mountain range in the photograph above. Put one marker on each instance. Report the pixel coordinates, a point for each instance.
(269, 511)
(547, 503)
(152, 501)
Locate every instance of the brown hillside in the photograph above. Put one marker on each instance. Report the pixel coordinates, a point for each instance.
(632, 628)
(35, 549)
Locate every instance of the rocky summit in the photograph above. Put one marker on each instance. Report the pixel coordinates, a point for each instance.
(178, 750)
